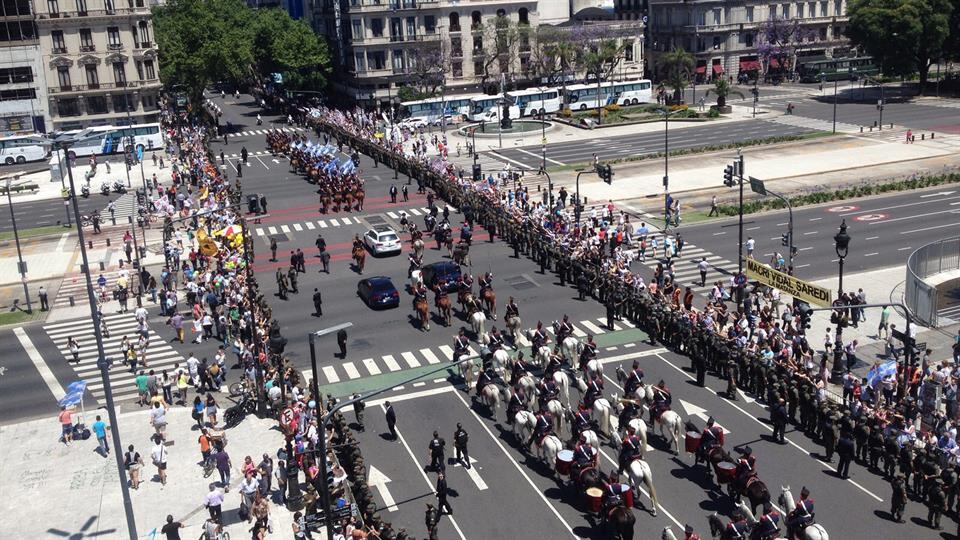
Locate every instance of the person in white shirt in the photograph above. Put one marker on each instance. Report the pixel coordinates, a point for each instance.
(751, 244)
(248, 491)
(159, 456)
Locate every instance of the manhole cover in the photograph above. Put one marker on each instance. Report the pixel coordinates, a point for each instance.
(281, 237)
(520, 283)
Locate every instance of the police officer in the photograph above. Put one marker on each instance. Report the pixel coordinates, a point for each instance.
(358, 407)
(778, 417)
(846, 449)
(317, 303)
(460, 439)
(802, 515)
(436, 448)
(898, 501)
(936, 502)
(431, 520)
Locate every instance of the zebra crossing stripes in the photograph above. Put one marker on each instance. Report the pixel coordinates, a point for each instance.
(428, 354)
(76, 286)
(813, 123)
(687, 273)
(410, 359)
(123, 207)
(371, 366)
(308, 225)
(160, 355)
(252, 132)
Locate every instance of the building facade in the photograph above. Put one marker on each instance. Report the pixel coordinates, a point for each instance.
(23, 103)
(380, 46)
(725, 37)
(100, 62)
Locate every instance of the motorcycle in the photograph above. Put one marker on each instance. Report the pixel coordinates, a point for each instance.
(85, 220)
(105, 189)
(118, 187)
(235, 414)
(85, 192)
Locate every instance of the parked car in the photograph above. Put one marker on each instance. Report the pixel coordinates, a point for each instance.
(378, 292)
(382, 239)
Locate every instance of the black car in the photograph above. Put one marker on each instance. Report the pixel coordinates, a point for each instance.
(378, 292)
(446, 271)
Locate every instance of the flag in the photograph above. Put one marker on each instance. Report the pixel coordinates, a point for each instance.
(207, 245)
(878, 373)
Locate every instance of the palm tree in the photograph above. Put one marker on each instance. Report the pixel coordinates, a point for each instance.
(676, 68)
(722, 89)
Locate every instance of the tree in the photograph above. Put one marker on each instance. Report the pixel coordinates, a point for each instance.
(676, 69)
(289, 47)
(906, 36)
(601, 55)
(553, 55)
(500, 37)
(722, 89)
(779, 40)
(428, 66)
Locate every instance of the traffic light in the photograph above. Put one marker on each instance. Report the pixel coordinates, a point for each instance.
(728, 176)
(805, 313)
(784, 240)
(277, 342)
(606, 173)
(477, 173)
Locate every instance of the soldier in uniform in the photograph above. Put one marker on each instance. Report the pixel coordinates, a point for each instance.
(936, 502)
(891, 454)
(860, 435)
(768, 527)
(829, 434)
(281, 284)
(292, 276)
(431, 520)
(580, 423)
(542, 427)
(802, 515)
(738, 526)
(517, 403)
(583, 285)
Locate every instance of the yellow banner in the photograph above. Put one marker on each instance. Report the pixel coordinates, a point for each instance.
(207, 245)
(808, 292)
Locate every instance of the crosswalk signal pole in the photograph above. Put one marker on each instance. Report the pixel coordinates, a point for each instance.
(739, 170)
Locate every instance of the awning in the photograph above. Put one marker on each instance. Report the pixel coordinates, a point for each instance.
(701, 69)
(749, 65)
(717, 69)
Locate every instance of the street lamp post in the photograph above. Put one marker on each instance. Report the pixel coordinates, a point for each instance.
(666, 163)
(842, 241)
(22, 266)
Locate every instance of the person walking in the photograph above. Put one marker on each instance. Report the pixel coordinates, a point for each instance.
(159, 456)
(393, 193)
(44, 303)
(442, 503)
(714, 207)
(317, 303)
(358, 407)
(778, 417)
(846, 448)
(391, 417)
(172, 528)
(223, 467)
(703, 266)
(214, 503)
(66, 425)
(460, 439)
(436, 447)
(342, 342)
(134, 464)
(273, 250)
(898, 501)
(100, 430)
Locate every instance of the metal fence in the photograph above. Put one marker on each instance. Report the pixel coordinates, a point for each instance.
(920, 297)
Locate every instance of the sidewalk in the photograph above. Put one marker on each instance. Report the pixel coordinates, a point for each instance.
(53, 490)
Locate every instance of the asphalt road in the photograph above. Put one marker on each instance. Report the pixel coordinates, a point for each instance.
(884, 231)
(49, 212)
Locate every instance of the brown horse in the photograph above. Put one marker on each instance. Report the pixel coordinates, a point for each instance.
(423, 313)
(490, 302)
(348, 201)
(359, 257)
(444, 309)
(360, 196)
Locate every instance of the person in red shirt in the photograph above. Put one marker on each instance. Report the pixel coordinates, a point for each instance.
(66, 425)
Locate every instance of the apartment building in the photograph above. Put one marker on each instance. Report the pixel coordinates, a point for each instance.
(724, 35)
(100, 61)
(23, 102)
(381, 45)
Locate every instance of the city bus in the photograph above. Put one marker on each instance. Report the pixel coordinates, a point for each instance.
(481, 105)
(534, 101)
(111, 139)
(22, 148)
(429, 110)
(585, 96)
(837, 69)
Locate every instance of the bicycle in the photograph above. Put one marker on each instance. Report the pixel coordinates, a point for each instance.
(220, 536)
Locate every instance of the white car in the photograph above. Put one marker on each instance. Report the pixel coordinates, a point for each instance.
(412, 123)
(382, 239)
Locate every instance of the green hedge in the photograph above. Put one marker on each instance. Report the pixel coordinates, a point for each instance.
(822, 196)
(726, 146)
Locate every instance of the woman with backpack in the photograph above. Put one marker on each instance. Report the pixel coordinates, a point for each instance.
(134, 464)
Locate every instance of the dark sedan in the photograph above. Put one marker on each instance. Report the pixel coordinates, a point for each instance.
(378, 292)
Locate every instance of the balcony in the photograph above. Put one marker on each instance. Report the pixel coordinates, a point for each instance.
(101, 87)
(373, 72)
(396, 39)
(454, 29)
(456, 53)
(144, 45)
(88, 48)
(115, 46)
(369, 6)
(94, 13)
(59, 50)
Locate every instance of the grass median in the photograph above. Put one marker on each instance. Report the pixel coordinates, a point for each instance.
(33, 233)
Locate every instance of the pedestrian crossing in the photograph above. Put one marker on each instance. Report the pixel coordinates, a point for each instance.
(945, 103)
(256, 153)
(124, 207)
(75, 286)
(263, 132)
(160, 355)
(686, 270)
(390, 363)
(813, 123)
(333, 222)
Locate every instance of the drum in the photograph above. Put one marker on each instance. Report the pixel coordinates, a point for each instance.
(725, 472)
(627, 495)
(564, 461)
(594, 499)
(692, 442)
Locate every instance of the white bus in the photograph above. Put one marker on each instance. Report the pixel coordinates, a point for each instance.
(22, 148)
(431, 110)
(534, 101)
(585, 96)
(111, 139)
(480, 106)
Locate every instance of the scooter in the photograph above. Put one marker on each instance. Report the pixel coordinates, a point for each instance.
(104, 188)
(85, 191)
(118, 187)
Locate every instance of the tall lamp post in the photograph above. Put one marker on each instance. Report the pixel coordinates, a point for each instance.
(842, 241)
(666, 162)
(842, 247)
(22, 266)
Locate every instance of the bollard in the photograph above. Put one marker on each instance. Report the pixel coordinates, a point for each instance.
(72, 302)
(874, 123)
(108, 241)
(932, 135)
(89, 244)
(871, 129)
(861, 129)
(891, 125)
(923, 136)
(102, 266)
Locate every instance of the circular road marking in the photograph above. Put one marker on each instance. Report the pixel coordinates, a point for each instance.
(846, 208)
(871, 217)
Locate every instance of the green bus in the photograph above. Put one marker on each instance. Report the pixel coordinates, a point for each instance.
(837, 69)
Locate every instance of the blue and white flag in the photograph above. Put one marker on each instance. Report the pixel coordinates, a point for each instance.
(877, 374)
(347, 168)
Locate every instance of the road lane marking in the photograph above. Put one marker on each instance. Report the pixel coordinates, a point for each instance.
(346, 221)
(473, 473)
(931, 228)
(810, 232)
(45, 373)
(63, 241)
(522, 472)
(410, 359)
(808, 248)
(725, 232)
(392, 364)
(261, 232)
(816, 219)
(871, 238)
(272, 230)
(428, 354)
(541, 157)
(371, 366)
(903, 248)
(592, 327)
(297, 227)
(351, 370)
(334, 222)
(447, 351)
(874, 210)
(330, 374)
(424, 475)
(871, 254)
(310, 225)
(376, 479)
(392, 215)
(285, 229)
(765, 426)
(322, 224)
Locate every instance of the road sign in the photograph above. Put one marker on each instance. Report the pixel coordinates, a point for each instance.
(474, 474)
(808, 292)
(871, 217)
(756, 185)
(699, 412)
(286, 417)
(376, 479)
(843, 208)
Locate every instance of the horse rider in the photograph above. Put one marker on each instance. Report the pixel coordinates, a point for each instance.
(769, 523)
(588, 353)
(461, 345)
(495, 340)
(415, 264)
(613, 491)
(738, 526)
(429, 222)
(519, 368)
(661, 400)
(419, 293)
(631, 410)
(580, 423)
(634, 379)
(487, 376)
(594, 391)
(564, 329)
(746, 468)
(466, 234)
(464, 286)
(802, 515)
(554, 364)
(517, 403)
(542, 428)
(710, 438)
(630, 449)
(548, 391)
(512, 310)
(539, 337)
(485, 282)
(584, 454)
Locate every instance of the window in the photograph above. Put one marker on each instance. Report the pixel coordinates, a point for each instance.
(749, 13)
(397, 59)
(139, 65)
(716, 16)
(748, 40)
(123, 103)
(823, 34)
(144, 31)
(149, 69)
(838, 7)
(68, 107)
(378, 60)
(823, 9)
(477, 43)
(113, 38)
(17, 30)
(396, 29)
(93, 79)
(360, 62)
(376, 25)
(524, 15)
(111, 9)
(800, 10)
(63, 77)
(16, 75)
(430, 24)
(97, 104)
(716, 42)
(21, 93)
(53, 8)
(785, 11)
(628, 53)
(457, 68)
(478, 67)
(59, 46)
(119, 74)
(702, 18)
(86, 40)
(12, 8)
(475, 20)
(411, 27)
(456, 47)
(82, 8)
(356, 28)
(454, 22)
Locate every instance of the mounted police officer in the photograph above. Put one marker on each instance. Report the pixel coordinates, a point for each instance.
(588, 353)
(542, 427)
(768, 526)
(461, 345)
(710, 438)
(594, 391)
(634, 379)
(581, 422)
(631, 449)
(802, 515)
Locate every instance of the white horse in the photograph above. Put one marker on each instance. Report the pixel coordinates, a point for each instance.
(415, 280)
(523, 425)
(556, 410)
(639, 473)
(595, 368)
(602, 410)
(812, 532)
(671, 426)
(548, 449)
(466, 369)
(491, 397)
(477, 323)
(529, 385)
(501, 359)
(570, 349)
(590, 437)
(563, 384)
(636, 424)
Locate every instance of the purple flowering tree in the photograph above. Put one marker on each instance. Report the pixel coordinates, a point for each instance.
(779, 41)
